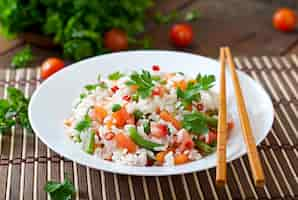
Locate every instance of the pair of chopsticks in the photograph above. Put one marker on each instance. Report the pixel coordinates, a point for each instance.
(253, 156)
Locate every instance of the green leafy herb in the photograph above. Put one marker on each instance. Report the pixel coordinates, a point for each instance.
(195, 122)
(78, 26)
(115, 76)
(83, 95)
(205, 82)
(14, 110)
(22, 58)
(135, 97)
(60, 191)
(192, 91)
(116, 107)
(91, 87)
(84, 124)
(103, 85)
(138, 114)
(192, 15)
(143, 81)
(146, 126)
(165, 18)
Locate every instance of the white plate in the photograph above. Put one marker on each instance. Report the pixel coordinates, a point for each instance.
(51, 104)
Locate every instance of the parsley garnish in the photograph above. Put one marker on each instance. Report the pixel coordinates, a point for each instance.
(22, 58)
(166, 18)
(138, 114)
(14, 110)
(115, 76)
(195, 122)
(116, 107)
(192, 15)
(82, 96)
(91, 87)
(60, 191)
(192, 91)
(143, 81)
(103, 85)
(84, 124)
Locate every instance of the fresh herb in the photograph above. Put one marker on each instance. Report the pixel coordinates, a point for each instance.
(89, 142)
(115, 76)
(192, 91)
(103, 85)
(207, 149)
(14, 110)
(116, 107)
(156, 78)
(205, 82)
(195, 122)
(22, 58)
(192, 15)
(91, 87)
(78, 26)
(82, 96)
(138, 114)
(60, 191)
(166, 18)
(84, 124)
(135, 97)
(143, 81)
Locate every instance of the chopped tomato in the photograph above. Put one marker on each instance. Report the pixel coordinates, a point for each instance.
(121, 116)
(200, 107)
(155, 68)
(187, 142)
(157, 110)
(124, 142)
(230, 125)
(169, 118)
(160, 157)
(109, 135)
(211, 137)
(158, 130)
(100, 113)
(126, 98)
(180, 159)
(115, 88)
(158, 91)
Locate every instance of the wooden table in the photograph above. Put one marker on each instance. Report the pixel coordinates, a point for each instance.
(243, 25)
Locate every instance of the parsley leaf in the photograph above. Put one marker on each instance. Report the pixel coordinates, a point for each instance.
(84, 124)
(115, 76)
(116, 107)
(60, 191)
(103, 85)
(14, 110)
(166, 18)
(138, 114)
(22, 58)
(195, 122)
(143, 81)
(91, 87)
(206, 82)
(192, 91)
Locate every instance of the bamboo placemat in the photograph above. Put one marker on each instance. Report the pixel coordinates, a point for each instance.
(26, 163)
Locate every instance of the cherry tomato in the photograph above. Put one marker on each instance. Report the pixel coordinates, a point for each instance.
(50, 66)
(155, 68)
(115, 40)
(284, 19)
(181, 35)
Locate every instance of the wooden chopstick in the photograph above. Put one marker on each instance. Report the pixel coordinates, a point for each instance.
(221, 169)
(253, 155)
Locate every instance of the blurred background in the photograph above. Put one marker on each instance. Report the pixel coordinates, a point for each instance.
(77, 29)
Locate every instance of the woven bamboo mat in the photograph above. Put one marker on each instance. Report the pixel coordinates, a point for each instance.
(26, 163)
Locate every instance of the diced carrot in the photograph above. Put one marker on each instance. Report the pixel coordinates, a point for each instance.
(131, 120)
(160, 157)
(180, 159)
(134, 88)
(100, 113)
(169, 118)
(121, 116)
(180, 84)
(109, 124)
(124, 142)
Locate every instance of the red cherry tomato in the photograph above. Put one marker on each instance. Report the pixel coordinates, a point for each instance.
(284, 19)
(211, 137)
(115, 40)
(50, 66)
(155, 68)
(115, 88)
(181, 35)
(126, 98)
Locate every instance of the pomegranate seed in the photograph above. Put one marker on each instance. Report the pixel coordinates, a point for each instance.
(109, 135)
(115, 88)
(155, 68)
(200, 107)
(126, 98)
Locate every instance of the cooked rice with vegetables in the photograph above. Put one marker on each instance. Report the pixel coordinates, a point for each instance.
(147, 118)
